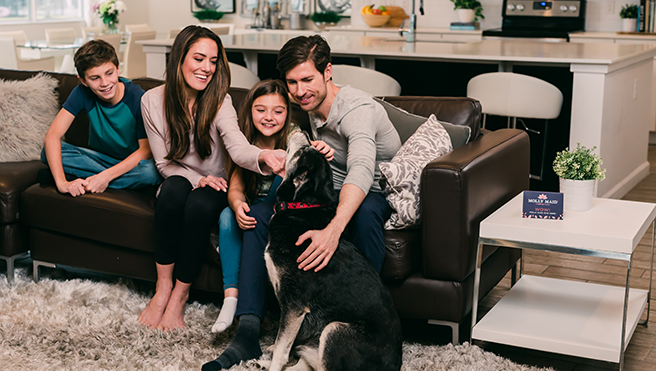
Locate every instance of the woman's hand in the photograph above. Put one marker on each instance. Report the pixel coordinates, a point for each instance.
(219, 184)
(323, 148)
(243, 220)
(274, 160)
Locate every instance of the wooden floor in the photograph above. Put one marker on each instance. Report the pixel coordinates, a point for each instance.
(641, 352)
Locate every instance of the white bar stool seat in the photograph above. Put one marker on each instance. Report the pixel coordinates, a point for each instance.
(517, 96)
(371, 81)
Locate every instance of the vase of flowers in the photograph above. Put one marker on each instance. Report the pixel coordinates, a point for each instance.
(108, 11)
(578, 170)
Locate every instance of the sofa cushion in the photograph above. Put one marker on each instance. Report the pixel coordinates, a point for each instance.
(15, 177)
(407, 123)
(117, 216)
(402, 174)
(27, 109)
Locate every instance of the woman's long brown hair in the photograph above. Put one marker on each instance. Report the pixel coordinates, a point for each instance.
(181, 123)
(247, 127)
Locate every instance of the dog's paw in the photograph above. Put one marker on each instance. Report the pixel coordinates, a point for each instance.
(263, 364)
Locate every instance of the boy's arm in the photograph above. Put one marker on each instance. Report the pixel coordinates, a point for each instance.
(99, 182)
(52, 143)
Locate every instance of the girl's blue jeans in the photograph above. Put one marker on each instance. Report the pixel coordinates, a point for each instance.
(230, 239)
(84, 162)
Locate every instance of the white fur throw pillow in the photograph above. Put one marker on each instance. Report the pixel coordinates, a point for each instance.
(27, 109)
(403, 173)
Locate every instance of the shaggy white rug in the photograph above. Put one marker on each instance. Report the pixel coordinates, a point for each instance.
(82, 324)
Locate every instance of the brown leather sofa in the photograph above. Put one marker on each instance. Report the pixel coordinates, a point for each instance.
(428, 270)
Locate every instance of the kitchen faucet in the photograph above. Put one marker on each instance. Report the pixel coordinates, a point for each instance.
(410, 32)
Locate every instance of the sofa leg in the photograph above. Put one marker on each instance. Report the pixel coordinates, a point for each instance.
(35, 268)
(455, 329)
(10, 264)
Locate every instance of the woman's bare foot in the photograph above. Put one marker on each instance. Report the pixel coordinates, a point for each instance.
(152, 314)
(174, 314)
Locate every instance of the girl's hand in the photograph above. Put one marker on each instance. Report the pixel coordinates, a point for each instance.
(322, 147)
(243, 220)
(219, 184)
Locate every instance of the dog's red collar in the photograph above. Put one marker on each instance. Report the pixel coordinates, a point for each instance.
(282, 205)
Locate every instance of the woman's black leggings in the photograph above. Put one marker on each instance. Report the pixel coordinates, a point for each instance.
(184, 218)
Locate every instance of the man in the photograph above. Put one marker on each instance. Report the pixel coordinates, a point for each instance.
(359, 131)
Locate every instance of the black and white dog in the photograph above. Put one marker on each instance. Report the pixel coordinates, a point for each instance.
(342, 317)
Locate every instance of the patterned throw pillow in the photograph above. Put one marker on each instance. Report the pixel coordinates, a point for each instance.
(403, 173)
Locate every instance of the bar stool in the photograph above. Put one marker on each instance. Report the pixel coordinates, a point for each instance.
(517, 96)
(242, 77)
(372, 81)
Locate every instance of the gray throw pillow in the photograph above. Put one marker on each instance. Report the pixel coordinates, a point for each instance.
(403, 173)
(406, 124)
(27, 108)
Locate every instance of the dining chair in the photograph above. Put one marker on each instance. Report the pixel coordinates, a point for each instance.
(174, 33)
(135, 58)
(86, 31)
(19, 36)
(227, 29)
(9, 58)
(368, 80)
(242, 77)
(60, 35)
(113, 39)
(517, 96)
(137, 27)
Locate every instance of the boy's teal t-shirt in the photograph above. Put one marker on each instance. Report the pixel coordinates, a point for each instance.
(114, 130)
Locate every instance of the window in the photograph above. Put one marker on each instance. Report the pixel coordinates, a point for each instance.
(39, 10)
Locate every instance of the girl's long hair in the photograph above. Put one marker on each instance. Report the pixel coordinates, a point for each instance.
(181, 123)
(247, 127)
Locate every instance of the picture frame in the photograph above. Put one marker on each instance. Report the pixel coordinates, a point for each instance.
(341, 7)
(225, 6)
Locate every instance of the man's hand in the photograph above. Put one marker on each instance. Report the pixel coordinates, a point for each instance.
(97, 183)
(323, 148)
(75, 188)
(275, 160)
(321, 250)
(243, 220)
(219, 184)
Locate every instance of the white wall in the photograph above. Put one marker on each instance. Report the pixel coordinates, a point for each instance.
(164, 15)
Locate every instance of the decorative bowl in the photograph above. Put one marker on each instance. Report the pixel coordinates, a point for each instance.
(375, 20)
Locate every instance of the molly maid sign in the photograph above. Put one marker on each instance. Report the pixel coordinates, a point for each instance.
(543, 205)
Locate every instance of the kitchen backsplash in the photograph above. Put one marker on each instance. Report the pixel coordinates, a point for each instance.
(601, 15)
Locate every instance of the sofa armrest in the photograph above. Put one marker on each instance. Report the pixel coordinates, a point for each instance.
(461, 189)
(15, 177)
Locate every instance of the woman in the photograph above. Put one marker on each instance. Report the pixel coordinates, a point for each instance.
(191, 123)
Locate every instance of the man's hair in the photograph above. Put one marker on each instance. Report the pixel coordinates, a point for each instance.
(93, 54)
(302, 49)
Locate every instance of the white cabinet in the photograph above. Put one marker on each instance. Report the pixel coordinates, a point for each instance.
(611, 37)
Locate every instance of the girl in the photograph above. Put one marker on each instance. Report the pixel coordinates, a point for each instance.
(265, 121)
(190, 123)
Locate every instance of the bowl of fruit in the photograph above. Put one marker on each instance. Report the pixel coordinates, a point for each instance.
(375, 16)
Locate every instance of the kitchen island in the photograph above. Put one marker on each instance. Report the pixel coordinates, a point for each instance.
(611, 94)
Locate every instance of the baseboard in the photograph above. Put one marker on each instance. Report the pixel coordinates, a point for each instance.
(626, 184)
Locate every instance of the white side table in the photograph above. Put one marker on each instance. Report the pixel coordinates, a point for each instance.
(579, 319)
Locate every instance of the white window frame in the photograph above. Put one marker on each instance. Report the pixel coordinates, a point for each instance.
(32, 18)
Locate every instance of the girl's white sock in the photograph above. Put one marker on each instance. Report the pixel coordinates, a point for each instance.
(226, 315)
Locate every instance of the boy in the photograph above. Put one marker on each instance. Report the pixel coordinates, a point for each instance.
(119, 154)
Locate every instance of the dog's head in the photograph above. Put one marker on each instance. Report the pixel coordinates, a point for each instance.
(308, 177)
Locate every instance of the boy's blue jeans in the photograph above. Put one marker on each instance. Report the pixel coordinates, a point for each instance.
(230, 239)
(84, 162)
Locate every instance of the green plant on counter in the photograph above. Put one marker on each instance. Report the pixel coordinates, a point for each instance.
(475, 5)
(629, 11)
(208, 15)
(580, 164)
(325, 17)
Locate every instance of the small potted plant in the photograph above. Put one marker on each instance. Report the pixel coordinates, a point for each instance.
(208, 15)
(629, 15)
(323, 19)
(468, 10)
(578, 171)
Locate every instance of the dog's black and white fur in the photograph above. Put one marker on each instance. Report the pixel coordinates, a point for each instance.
(342, 317)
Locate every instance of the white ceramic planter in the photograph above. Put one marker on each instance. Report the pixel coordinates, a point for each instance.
(466, 15)
(629, 24)
(577, 194)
